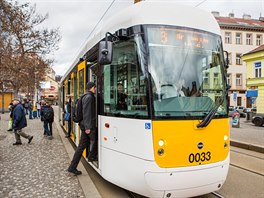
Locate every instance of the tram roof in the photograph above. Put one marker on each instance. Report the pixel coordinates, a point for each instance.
(145, 12)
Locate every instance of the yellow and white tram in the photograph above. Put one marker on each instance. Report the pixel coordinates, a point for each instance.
(164, 64)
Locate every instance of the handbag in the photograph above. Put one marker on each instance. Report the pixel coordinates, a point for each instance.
(67, 116)
(10, 124)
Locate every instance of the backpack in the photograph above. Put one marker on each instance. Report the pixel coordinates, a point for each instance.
(48, 114)
(77, 115)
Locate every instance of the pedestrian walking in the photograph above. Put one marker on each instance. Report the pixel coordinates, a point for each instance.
(19, 122)
(88, 129)
(47, 115)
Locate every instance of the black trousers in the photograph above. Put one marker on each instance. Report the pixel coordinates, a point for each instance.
(84, 141)
(69, 127)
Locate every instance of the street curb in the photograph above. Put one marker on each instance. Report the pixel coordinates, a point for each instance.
(247, 146)
(85, 181)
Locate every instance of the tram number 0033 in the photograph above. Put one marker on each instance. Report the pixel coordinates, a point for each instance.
(199, 157)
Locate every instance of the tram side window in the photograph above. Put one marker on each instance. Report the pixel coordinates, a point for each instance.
(81, 82)
(124, 84)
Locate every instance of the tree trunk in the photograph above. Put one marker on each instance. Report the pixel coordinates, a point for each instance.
(3, 102)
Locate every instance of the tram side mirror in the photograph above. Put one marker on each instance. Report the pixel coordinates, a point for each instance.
(105, 52)
(226, 59)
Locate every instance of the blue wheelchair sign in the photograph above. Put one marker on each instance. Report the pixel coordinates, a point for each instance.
(147, 125)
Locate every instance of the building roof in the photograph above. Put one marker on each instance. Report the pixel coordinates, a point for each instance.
(241, 23)
(258, 49)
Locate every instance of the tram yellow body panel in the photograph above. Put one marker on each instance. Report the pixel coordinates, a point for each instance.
(181, 140)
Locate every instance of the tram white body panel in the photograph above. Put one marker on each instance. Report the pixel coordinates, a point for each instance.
(127, 160)
(129, 136)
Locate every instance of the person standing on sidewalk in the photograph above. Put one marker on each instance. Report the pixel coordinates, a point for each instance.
(11, 109)
(19, 122)
(38, 109)
(68, 110)
(30, 108)
(88, 128)
(47, 114)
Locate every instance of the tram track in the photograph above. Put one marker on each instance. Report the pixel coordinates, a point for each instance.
(250, 155)
(217, 195)
(133, 195)
(240, 159)
(245, 169)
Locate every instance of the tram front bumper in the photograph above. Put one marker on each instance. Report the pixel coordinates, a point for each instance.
(188, 182)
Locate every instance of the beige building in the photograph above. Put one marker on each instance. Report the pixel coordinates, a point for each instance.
(49, 88)
(240, 35)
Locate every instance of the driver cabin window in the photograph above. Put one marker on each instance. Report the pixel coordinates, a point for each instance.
(124, 84)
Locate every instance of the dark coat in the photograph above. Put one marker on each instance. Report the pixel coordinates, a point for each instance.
(19, 117)
(44, 107)
(89, 117)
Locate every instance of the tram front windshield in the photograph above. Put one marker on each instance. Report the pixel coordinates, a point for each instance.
(187, 73)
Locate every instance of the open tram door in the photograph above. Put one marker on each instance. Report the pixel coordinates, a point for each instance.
(93, 76)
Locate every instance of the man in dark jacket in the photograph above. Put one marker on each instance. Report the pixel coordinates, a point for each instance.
(88, 128)
(19, 122)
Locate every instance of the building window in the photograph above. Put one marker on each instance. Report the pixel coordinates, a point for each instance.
(257, 70)
(258, 39)
(230, 58)
(216, 78)
(249, 39)
(239, 38)
(228, 37)
(238, 79)
(238, 59)
(228, 78)
(206, 78)
(239, 101)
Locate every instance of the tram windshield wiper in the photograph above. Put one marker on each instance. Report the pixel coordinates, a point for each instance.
(211, 113)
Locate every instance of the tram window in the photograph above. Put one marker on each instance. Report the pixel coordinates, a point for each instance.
(124, 83)
(81, 82)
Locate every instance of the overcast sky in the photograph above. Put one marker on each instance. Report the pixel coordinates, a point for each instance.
(77, 18)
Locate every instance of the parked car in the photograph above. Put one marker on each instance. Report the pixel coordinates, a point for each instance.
(258, 119)
(240, 108)
(232, 110)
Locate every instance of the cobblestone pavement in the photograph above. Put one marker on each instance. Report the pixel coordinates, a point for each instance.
(37, 169)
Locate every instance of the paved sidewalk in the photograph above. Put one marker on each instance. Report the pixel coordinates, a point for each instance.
(37, 169)
(247, 136)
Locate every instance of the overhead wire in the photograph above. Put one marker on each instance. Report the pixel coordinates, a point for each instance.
(100, 19)
(79, 50)
(200, 3)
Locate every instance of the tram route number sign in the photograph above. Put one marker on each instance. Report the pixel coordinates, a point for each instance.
(199, 157)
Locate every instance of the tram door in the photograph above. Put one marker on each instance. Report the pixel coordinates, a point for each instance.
(93, 73)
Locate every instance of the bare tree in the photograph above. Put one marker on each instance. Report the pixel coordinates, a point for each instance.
(25, 61)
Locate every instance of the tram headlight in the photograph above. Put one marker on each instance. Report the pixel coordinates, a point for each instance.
(225, 137)
(160, 152)
(161, 142)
